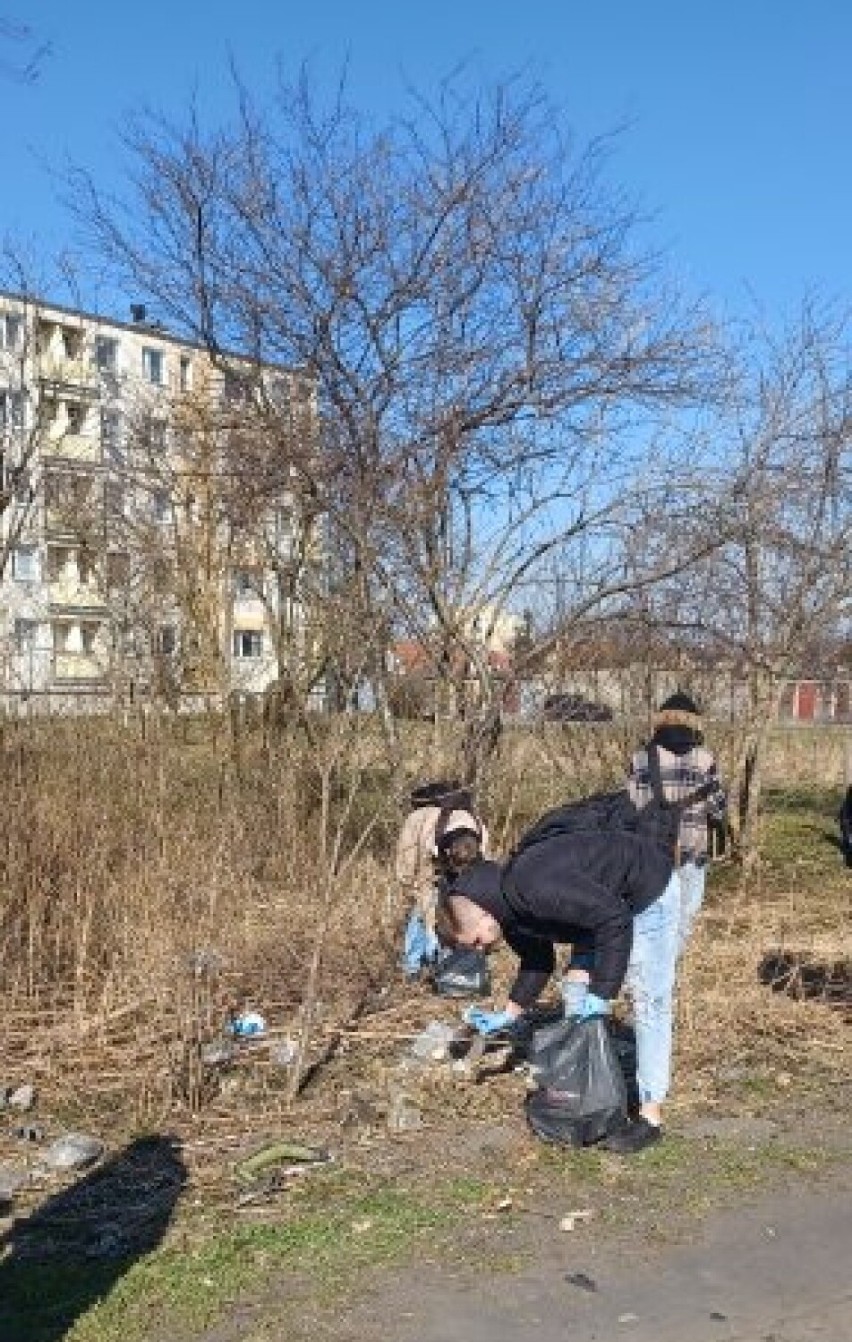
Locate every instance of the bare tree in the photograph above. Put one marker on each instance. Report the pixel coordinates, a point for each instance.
(775, 493)
(27, 52)
(471, 303)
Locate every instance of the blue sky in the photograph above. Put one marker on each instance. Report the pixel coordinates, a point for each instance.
(737, 113)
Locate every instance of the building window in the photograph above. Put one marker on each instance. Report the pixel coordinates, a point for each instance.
(68, 495)
(44, 335)
(89, 638)
(54, 491)
(160, 572)
(111, 434)
(11, 331)
(117, 569)
(106, 354)
(72, 342)
(25, 563)
(61, 633)
(19, 480)
(283, 536)
(247, 582)
(58, 562)
(155, 435)
(115, 500)
(167, 640)
(26, 633)
(185, 373)
(11, 410)
(75, 416)
(153, 365)
(86, 568)
(248, 643)
(235, 387)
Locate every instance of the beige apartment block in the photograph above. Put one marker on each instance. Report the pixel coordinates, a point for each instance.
(131, 565)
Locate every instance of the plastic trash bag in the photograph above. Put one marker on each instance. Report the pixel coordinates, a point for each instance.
(462, 973)
(581, 1094)
(73, 1151)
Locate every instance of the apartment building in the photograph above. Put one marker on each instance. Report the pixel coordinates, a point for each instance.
(124, 569)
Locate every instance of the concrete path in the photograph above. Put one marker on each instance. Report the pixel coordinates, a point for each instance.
(779, 1271)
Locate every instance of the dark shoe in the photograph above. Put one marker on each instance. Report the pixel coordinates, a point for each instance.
(632, 1136)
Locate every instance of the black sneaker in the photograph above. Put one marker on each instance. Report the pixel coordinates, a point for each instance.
(632, 1135)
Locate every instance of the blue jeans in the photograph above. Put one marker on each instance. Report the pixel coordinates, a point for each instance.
(692, 882)
(650, 981)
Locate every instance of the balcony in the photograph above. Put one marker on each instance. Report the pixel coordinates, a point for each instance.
(64, 376)
(71, 447)
(73, 504)
(67, 590)
(79, 667)
(63, 521)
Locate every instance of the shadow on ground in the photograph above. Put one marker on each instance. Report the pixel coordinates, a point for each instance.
(73, 1249)
(802, 977)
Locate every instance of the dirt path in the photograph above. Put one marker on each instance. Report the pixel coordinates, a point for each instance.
(777, 1271)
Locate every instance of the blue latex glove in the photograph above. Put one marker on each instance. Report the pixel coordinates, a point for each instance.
(487, 1022)
(420, 947)
(594, 1006)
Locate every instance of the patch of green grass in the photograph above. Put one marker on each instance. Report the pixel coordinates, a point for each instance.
(759, 1087)
(681, 1175)
(183, 1288)
(799, 839)
(335, 1233)
(582, 1165)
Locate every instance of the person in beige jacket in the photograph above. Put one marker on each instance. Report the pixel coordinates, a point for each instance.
(439, 810)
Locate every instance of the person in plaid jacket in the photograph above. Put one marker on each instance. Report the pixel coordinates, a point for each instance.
(685, 765)
(661, 931)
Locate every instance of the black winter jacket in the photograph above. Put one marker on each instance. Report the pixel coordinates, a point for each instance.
(580, 888)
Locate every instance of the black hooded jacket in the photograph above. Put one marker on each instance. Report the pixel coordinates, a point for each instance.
(580, 888)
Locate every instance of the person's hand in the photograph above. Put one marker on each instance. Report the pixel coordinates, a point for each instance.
(594, 1006)
(488, 1022)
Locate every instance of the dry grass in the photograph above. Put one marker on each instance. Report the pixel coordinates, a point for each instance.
(746, 1024)
(134, 860)
(155, 872)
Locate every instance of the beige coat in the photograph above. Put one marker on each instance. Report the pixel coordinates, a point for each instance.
(416, 853)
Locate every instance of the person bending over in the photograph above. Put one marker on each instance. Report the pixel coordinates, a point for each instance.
(611, 892)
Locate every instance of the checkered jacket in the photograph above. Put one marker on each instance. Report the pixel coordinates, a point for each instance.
(680, 775)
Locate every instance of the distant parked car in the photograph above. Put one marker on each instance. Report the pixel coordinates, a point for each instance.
(571, 708)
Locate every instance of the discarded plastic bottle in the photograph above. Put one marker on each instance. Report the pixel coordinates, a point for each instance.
(284, 1053)
(403, 1114)
(433, 1043)
(249, 1025)
(218, 1053)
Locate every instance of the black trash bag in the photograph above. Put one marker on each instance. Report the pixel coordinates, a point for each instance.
(462, 973)
(581, 1094)
(623, 1038)
(527, 1027)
